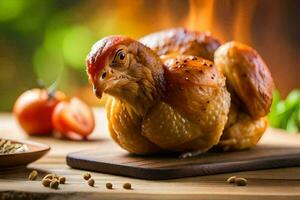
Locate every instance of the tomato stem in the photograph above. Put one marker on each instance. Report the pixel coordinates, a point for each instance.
(52, 89)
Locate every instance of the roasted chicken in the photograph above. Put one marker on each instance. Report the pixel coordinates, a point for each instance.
(248, 80)
(179, 101)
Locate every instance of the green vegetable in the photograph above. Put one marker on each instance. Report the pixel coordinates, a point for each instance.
(285, 114)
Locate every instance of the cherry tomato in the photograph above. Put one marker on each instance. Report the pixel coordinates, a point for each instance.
(73, 119)
(33, 110)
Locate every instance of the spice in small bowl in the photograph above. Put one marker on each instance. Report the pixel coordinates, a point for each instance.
(10, 147)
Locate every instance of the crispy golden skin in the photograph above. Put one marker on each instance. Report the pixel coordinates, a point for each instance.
(191, 116)
(194, 112)
(125, 128)
(251, 85)
(241, 131)
(179, 102)
(247, 75)
(183, 42)
(248, 80)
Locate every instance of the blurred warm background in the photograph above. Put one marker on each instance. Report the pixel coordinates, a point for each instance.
(49, 40)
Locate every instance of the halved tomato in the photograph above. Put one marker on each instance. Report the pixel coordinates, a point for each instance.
(33, 110)
(73, 119)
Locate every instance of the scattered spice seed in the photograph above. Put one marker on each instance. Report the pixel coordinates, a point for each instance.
(62, 180)
(46, 182)
(54, 184)
(231, 179)
(86, 176)
(241, 181)
(109, 186)
(56, 177)
(91, 182)
(49, 176)
(32, 176)
(127, 186)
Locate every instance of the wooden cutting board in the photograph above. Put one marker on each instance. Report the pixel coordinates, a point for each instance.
(271, 152)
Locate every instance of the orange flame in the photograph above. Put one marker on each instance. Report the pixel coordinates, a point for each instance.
(242, 21)
(200, 15)
(227, 20)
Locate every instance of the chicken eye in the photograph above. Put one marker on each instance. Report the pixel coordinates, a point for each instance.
(103, 75)
(120, 56)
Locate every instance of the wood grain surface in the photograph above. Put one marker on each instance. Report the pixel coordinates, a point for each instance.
(170, 166)
(282, 183)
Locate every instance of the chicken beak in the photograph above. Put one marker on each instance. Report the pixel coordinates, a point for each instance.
(98, 91)
(102, 82)
(99, 85)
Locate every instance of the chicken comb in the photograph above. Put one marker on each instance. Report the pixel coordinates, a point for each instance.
(101, 52)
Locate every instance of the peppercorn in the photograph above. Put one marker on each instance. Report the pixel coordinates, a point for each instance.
(127, 186)
(46, 182)
(91, 182)
(49, 176)
(62, 180)
(241, 181)
(54, 184)
(86, 176)
(109, 186)
(231, 179)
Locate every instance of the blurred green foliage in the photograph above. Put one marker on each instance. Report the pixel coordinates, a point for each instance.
(49, 39)
(285, 113)
(41, 40)
(10, 9)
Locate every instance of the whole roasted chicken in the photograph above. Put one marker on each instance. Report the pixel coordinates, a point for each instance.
(181, 91)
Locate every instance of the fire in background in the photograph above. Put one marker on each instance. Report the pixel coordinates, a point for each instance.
(50, 39)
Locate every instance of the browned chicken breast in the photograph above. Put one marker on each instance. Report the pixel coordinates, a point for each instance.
(195, 107)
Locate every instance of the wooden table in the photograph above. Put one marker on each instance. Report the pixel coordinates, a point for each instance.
(263, 184)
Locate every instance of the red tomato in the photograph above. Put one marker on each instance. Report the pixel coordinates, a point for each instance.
(73, 119)
(34, 108)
